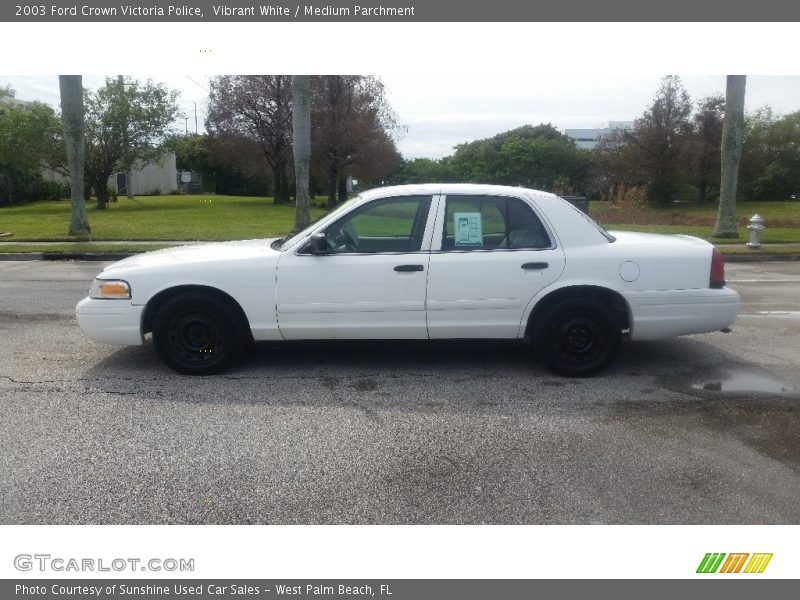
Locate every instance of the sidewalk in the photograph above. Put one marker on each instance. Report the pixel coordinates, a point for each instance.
(107, 243)
(78, 250)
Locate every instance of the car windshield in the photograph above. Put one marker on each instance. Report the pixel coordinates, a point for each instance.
(287, 241)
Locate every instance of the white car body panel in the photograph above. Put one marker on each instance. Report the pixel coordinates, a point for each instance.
(473, 295)
(285, 294)
(244, 270)
(111, 321)
(317, 298)
(667, 313)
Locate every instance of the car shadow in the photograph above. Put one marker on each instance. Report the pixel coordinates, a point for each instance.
(460, 376)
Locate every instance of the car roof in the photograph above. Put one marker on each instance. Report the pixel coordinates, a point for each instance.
(455, 188)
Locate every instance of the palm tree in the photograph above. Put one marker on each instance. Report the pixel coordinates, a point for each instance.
(301, 139)
(71, 88)
(732, 138)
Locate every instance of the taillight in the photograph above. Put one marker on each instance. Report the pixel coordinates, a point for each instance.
(717, 279)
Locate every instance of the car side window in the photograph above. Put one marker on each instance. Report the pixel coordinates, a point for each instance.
(389, 225)
(491, 223)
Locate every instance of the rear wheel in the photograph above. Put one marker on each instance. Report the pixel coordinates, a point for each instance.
(197, 334)
(577, 337)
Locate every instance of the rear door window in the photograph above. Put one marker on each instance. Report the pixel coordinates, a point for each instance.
(491, 223)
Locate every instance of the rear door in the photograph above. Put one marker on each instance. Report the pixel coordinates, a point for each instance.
(490, 256)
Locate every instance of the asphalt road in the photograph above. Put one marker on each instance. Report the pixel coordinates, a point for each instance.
(385, 433)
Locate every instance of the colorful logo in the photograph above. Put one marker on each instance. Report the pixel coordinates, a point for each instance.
(734, 562)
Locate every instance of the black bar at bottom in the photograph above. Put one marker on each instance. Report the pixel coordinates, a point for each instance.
(708, 586)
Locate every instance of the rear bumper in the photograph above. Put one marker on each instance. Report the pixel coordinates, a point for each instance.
(667, 313)
(111, 321)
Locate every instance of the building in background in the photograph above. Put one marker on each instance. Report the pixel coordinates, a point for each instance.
(12, 101)
(588, 139)
(153, 178)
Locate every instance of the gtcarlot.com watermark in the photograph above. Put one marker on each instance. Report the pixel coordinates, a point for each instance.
(58, 564)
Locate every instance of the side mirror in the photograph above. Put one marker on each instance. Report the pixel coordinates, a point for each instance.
(318, 243)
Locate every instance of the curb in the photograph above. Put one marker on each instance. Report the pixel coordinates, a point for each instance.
(751, 258)
(85, 255)
(91, 256)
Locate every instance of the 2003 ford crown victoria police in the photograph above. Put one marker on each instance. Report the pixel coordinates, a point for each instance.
(419, 262)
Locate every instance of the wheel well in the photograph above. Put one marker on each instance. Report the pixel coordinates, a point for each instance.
(610, 298)
(157, 301)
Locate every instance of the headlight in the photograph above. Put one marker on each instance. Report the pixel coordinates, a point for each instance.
(110, 289)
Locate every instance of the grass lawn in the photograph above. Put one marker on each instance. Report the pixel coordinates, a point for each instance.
(216, 218)
(779, 214)
(781, 235)
(782, 220)
(155, 218)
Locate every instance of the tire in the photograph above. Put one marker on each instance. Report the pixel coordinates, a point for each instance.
(197, 334)
(577, 337)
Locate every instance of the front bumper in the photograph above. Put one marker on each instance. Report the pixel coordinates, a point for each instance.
(111, 321)
(667, 313)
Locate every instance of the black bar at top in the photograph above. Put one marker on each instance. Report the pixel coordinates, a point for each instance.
(409, 11)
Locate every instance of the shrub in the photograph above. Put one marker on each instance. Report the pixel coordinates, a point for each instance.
(51, 190)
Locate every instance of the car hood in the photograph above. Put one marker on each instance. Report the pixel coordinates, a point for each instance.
(196, 254)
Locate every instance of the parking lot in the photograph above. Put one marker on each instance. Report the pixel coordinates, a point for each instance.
(701, 429)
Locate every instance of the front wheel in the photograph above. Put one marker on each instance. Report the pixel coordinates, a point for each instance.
(577, 337)
(197, 334)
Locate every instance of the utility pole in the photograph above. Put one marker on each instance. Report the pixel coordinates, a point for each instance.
(128, 173)
(732, 140)
(195, 118)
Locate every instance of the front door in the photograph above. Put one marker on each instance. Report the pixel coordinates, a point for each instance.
(370, 284)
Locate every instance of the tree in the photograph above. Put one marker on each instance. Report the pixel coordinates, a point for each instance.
(732, 137)
(30, 140)
(257, 107)
(301, 141)
(707, 139)
(424, 170)
(237, 166)
(757, 153)
(125, 124)
(770, 166)
(540, 157)
(72, 115)
(191, 152)
(659, 136)
(614, 165)
(352, 125)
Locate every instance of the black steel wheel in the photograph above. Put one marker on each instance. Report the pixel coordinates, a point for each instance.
(577, 337)
(197, 334)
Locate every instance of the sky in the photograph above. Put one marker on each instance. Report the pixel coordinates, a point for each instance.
(439, 112)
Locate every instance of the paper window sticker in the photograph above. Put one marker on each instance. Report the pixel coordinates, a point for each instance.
(468, 229)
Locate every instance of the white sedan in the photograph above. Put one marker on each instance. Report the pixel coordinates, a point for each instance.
(420, 262)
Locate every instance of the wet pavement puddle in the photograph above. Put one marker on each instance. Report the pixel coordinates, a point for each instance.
(740, 382)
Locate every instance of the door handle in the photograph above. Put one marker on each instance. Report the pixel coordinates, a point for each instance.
(536, 265)
(408, 268)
